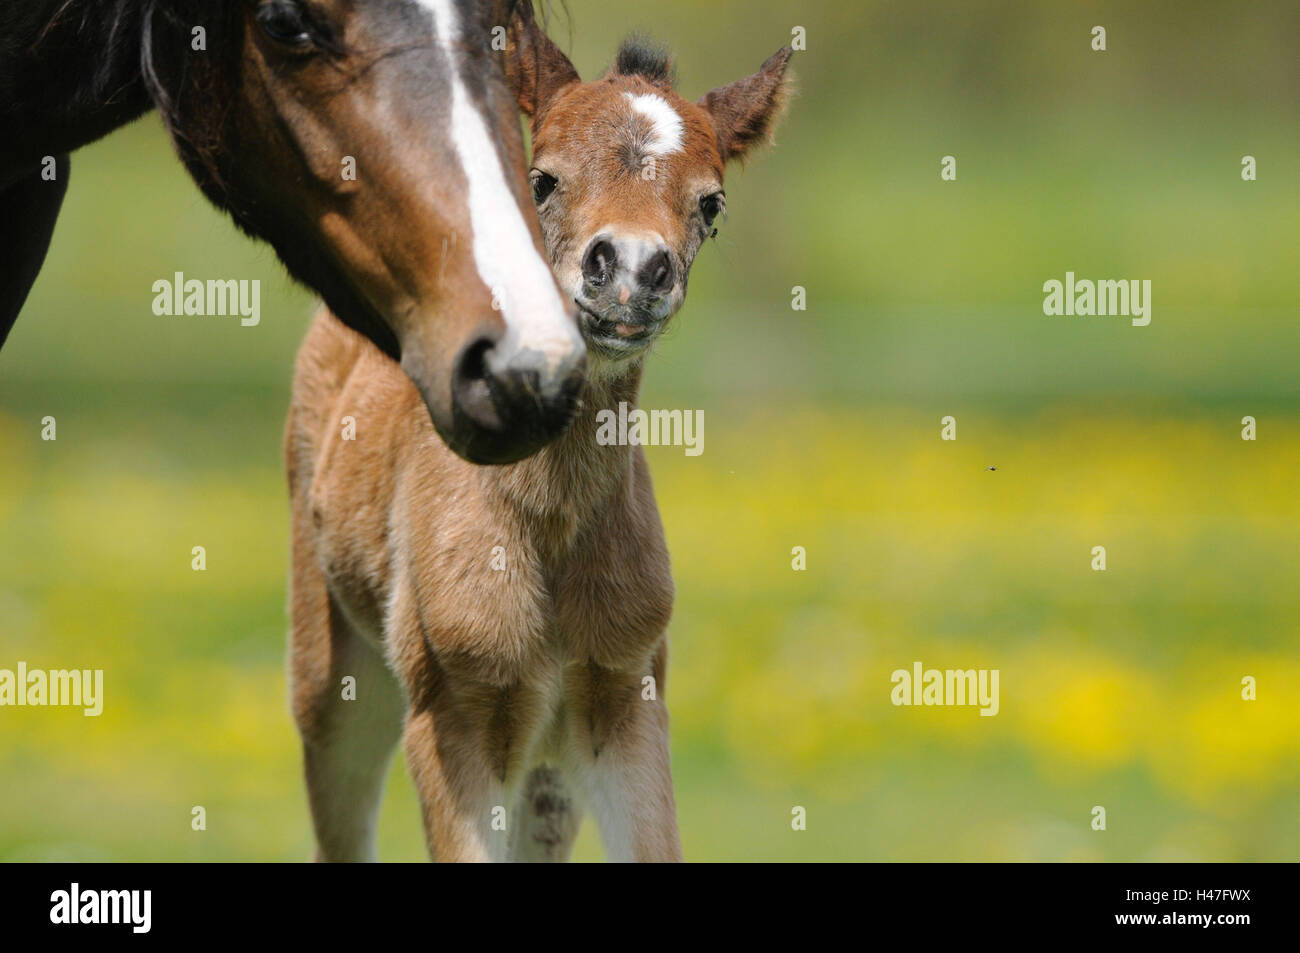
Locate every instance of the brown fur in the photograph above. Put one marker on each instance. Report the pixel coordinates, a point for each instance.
(522, 689)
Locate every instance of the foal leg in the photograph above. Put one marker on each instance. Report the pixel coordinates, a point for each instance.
(469, 743)
(347, 741)
(458, 771)
(546, 819)
(621, 751)
(31, 207)
(463, 798)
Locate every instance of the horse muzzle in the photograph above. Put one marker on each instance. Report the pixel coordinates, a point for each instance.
(508, 402)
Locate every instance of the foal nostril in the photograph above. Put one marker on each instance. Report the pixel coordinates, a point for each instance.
(599, 261)
(657, 275)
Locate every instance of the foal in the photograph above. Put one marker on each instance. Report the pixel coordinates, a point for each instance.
(509, 622)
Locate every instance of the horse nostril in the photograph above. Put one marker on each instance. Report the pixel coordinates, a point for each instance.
(473, 360)
(470, 386)
(657, 275)
(511, 396)
(598, 263)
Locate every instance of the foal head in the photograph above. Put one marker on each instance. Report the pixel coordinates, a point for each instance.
(376, 145)
(627, 178)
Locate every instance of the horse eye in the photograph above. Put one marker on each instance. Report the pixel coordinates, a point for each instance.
(711, 207)
(283, 22)
(543, 185)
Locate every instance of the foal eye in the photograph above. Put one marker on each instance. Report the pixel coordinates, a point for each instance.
(283, 22)
(543, 185)
(711, 206)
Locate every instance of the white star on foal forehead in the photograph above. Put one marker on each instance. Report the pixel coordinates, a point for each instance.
(665, 124)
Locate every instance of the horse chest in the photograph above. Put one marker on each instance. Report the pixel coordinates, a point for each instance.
(612, 605)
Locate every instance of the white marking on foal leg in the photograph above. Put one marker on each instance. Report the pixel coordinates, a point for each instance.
(665, 125)
(507, 259)
(611, 804)
(546, 819)
(348, 759)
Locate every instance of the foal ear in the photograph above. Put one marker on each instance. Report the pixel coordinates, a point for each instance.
(744, 111)
(535, 67)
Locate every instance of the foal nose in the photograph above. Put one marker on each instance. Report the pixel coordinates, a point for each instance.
(508, 399)
(656, 275)
(628, 267)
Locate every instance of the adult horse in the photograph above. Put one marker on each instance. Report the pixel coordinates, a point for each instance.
(373, 143)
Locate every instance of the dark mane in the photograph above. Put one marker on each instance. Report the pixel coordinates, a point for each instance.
(69, 73)
(639, 56)
(111, 25)
(194, 95)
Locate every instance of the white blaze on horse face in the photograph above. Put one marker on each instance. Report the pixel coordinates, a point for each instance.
(507, 260)
(666, 126)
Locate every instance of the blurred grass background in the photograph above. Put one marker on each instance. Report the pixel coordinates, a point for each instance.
(1119, 689)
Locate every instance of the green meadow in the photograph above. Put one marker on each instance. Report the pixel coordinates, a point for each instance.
(1120, 689)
